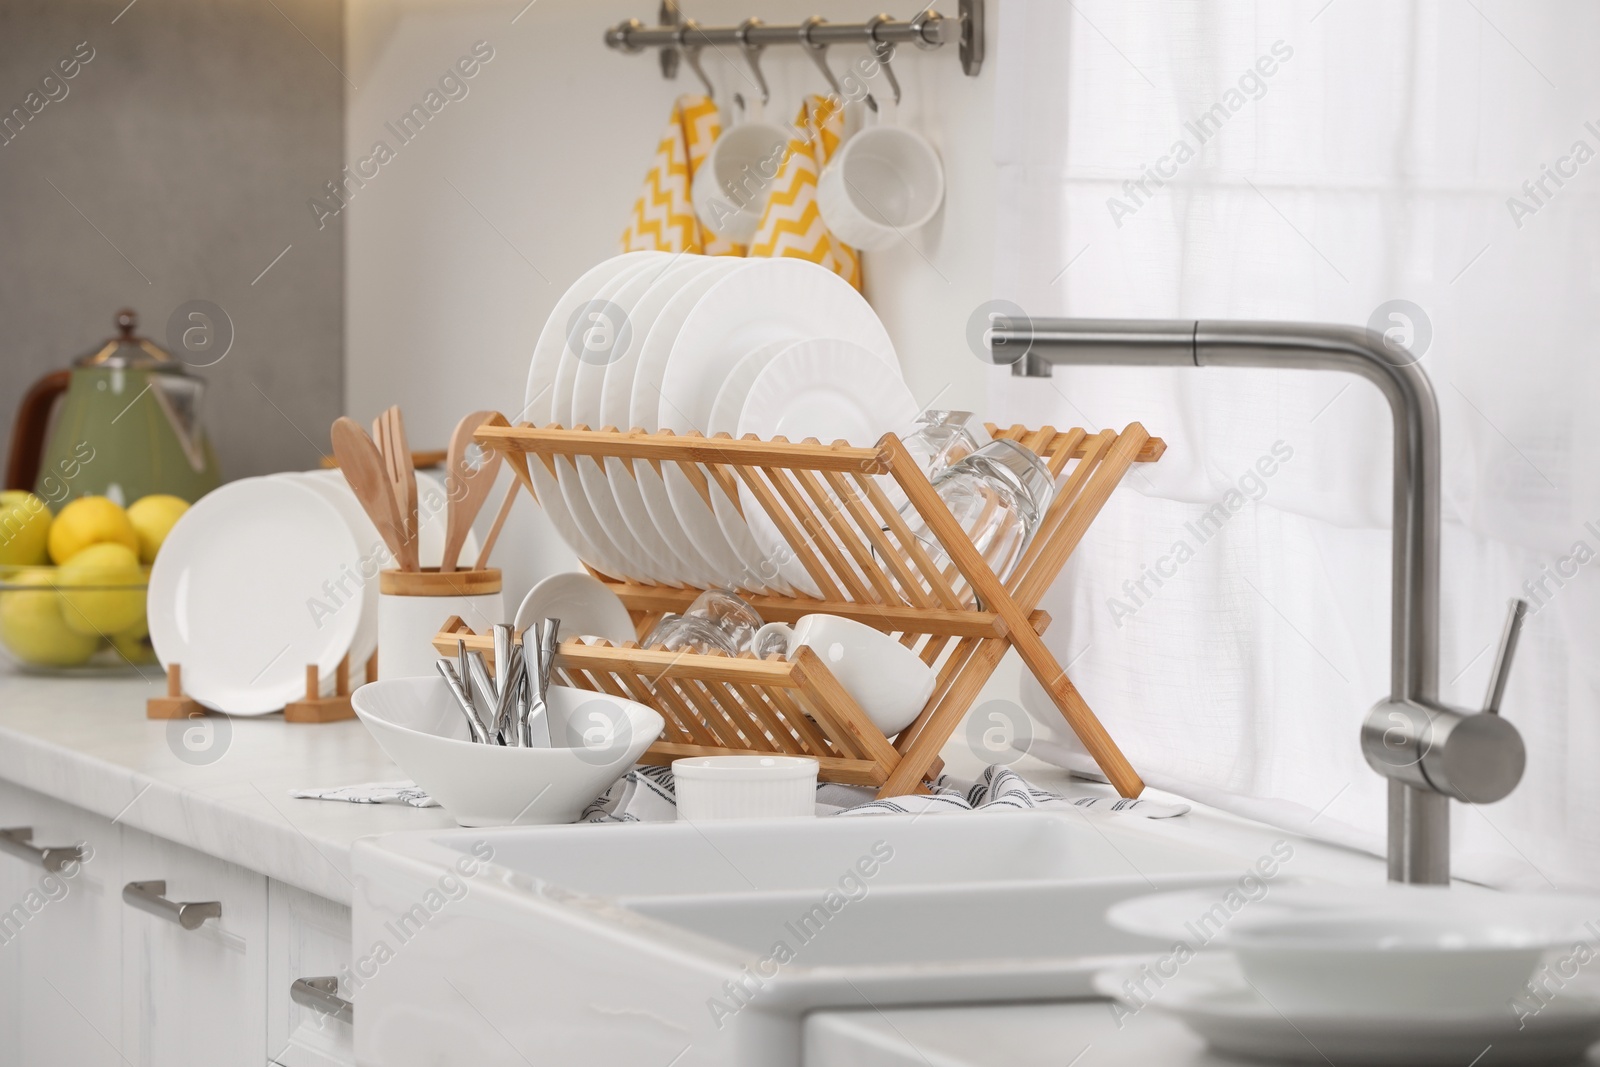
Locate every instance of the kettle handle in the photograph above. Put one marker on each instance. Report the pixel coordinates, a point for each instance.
(27, 432)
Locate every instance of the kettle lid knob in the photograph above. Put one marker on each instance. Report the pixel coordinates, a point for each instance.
(127, 321)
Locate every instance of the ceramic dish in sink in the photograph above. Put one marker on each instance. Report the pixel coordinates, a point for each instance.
(1381, 950)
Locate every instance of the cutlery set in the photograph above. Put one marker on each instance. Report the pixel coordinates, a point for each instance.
(509, 707)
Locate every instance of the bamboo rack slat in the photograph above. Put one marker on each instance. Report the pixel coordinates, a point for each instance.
(842, 511)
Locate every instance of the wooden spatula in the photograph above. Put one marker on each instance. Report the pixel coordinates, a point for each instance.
(363, 468)
(467, 488)
(402, 480)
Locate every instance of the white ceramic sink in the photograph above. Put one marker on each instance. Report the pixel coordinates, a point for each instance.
(705, 945)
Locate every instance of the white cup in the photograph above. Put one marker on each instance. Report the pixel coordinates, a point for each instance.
(745, 787)
(734, 181)
(888, 680)
(881, 184)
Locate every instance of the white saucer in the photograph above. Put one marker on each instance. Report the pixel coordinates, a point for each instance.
(584, 605)
(1211, 998)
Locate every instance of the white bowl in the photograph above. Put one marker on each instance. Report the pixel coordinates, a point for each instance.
(1389, 950)
(420, 727)
(888, 680)
(745, 787)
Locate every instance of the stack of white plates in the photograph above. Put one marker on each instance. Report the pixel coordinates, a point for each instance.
(267, 575)
(658, 341)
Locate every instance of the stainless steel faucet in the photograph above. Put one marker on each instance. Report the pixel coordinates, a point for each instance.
(1429, 751)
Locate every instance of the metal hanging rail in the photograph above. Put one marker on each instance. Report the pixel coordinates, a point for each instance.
(927, 30)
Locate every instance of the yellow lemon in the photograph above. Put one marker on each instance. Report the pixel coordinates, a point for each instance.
(153, 518)
(90, 520)
(33, 628)
(95, 589)
(24, 529)
(136, 650)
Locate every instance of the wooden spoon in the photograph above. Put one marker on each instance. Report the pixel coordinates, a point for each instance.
(363, 468)
(465, 487)
(402, 480)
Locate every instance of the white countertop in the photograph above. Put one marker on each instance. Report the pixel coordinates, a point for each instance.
(86, 742)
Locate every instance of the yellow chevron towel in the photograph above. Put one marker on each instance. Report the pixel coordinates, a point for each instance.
(663, 217)
(791, 224)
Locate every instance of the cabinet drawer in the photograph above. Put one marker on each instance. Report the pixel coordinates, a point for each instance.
(308, 937)
(60, 945)
(193, 996)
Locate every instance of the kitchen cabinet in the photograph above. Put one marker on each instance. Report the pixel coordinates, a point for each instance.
(193, 996)
(89, 980)
(60, 979)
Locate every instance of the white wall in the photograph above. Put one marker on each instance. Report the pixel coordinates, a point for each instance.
(461, 244)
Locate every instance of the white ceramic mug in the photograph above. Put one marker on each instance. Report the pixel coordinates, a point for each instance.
(881, 184)
(734, 181)
(413, 606)
(888, 680)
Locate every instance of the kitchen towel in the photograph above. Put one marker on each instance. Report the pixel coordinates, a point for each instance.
(663, 217)
(401, 792)
(791, 223)
(646, 794)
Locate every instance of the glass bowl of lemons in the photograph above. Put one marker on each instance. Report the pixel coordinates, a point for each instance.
(73, 581)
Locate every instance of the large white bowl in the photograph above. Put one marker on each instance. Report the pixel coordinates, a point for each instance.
(419, 726)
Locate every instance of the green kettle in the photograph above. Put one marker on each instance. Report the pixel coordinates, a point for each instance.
(127, 424)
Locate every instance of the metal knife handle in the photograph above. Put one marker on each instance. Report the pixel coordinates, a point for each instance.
(1501, 674)
(475, 727)
(17, 841)
(152, 897)
(321, 995)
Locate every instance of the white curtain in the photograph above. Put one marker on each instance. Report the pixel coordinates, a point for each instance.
(1340, 155)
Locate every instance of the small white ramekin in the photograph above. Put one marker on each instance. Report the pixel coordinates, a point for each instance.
(745, 787)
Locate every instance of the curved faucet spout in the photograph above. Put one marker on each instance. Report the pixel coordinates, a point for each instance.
(1419, 813)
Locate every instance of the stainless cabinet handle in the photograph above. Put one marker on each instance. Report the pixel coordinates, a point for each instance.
(18, 841)
(322, 995)
(152, 897)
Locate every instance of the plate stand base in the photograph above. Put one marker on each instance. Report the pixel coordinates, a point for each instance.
(313, 708)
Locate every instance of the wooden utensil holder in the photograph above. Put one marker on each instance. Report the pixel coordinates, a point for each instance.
(313, 708)
(842, 527)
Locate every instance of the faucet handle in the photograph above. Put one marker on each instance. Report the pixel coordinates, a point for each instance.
(1501, 674)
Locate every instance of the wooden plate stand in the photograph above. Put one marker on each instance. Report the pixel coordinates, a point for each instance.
(313, 708)
(831, 505)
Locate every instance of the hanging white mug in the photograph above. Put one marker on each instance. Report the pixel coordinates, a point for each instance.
(881, 184)
(735, 180)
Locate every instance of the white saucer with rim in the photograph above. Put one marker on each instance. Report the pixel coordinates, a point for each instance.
(1212, 998)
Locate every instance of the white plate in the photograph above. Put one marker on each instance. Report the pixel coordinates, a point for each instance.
(597, 517)
(770, 300)
(357, 583)
(724, 418)
(584, 605)
(644, 549)
(1211, 998)
(538, 397)
(612, 408)
(234, 594)
(696, 527)
(829, 389)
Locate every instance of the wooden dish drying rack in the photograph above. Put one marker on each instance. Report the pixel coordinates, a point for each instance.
(841, 525)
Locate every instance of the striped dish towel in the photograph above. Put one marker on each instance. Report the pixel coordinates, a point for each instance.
(648, 794)
(663, 217)
(791, 224)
